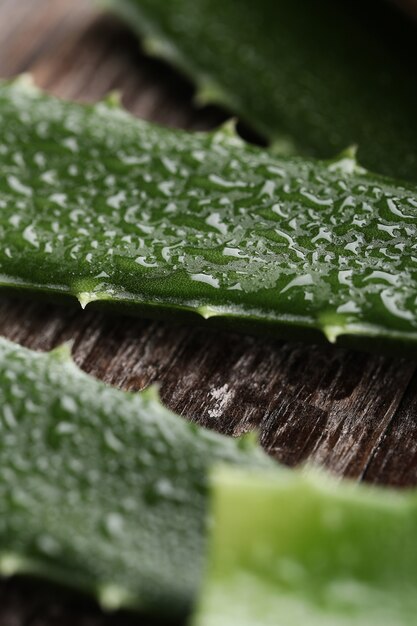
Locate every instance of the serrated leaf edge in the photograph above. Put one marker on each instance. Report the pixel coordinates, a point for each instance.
(346, 162)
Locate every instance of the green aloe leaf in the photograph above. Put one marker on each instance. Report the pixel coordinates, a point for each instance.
(105, 207)
(103, 490)
(293, 548)
(318, 75)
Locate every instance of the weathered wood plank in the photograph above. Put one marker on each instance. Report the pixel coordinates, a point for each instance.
(354, 413)
(308, 403)
(394, 460)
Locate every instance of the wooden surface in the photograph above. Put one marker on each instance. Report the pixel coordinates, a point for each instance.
(354, 413)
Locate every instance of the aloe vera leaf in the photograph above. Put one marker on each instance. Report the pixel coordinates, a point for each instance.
(100, 489)
(100, 205)
(315, 75)
(292, 547)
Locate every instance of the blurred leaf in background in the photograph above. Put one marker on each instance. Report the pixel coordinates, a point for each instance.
(313, 77)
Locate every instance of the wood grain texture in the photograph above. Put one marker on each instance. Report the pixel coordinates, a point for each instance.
(354, 413)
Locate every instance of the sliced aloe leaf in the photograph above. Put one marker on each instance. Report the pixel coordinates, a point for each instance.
(103, 490)
(317, 76)
(105, 207)
(293, 548)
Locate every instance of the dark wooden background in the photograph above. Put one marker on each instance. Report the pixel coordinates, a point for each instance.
(354, 413)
